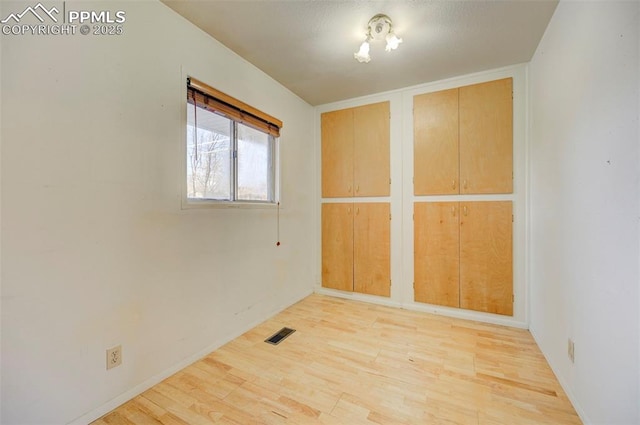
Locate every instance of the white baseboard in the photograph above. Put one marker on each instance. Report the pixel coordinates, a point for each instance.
(156, 379)
(457, 313)
(357, 297)
(426, 308)
(574, 401)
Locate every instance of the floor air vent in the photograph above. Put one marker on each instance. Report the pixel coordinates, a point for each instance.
(277, 338)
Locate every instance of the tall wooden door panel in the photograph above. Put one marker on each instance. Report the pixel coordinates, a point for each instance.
(435, 143)
(436, 253)
(486, 137)
(371, 150)
(337, 153)
(486, 261)
(372, 262)
(337, 246)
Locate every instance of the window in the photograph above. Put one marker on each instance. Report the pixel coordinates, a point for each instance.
(231, 148)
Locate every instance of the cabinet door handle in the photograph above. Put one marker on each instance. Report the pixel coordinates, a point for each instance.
(453, 211)
(349, 189)
(357, 188)
(357, 210)
(453, 185)
(464, 210)
(464, 184)
(349, 210)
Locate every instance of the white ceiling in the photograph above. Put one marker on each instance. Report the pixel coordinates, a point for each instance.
(308, 45)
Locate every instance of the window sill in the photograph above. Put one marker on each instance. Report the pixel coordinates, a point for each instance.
(209, 204)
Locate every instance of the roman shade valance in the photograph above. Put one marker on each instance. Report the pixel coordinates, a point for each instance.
(206, 97)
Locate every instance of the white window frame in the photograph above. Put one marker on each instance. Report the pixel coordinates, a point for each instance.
(195, 203)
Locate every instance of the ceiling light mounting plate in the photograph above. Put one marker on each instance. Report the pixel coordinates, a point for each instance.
(379, 26)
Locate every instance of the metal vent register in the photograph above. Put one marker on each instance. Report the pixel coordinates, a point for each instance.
(277, 338)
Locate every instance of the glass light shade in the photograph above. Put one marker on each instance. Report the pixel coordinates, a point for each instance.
(392, 42)
(363, 54)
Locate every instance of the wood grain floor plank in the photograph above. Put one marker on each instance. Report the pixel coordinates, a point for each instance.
(361, 364)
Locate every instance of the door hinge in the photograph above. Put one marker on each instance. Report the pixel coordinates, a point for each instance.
(389, 216)
(513, 298)
(389, 181)
(513, 218)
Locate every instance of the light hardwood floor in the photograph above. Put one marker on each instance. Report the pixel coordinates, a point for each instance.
(356, 363)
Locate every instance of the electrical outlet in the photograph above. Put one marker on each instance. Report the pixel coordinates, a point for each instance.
(114, 357)
(571, 350)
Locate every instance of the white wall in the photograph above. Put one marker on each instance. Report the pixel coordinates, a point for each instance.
(95, 248)
(0, 223)
(584, 205)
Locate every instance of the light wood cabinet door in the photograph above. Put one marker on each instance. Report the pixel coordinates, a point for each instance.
(337, 246)
(435, 143)
(437, 253)
(337, 153)
(486, 137)
(486, 263)
(371, 150)
(372, 251)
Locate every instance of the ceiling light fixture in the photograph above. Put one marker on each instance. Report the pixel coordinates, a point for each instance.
(380, 27)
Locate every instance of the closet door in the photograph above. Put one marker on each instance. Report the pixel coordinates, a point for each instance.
(337, 153)
(337, 246)
(371, 150)
(486, 263)
(372, 251)
(436, 253)
(486, 137)
(435, 143)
